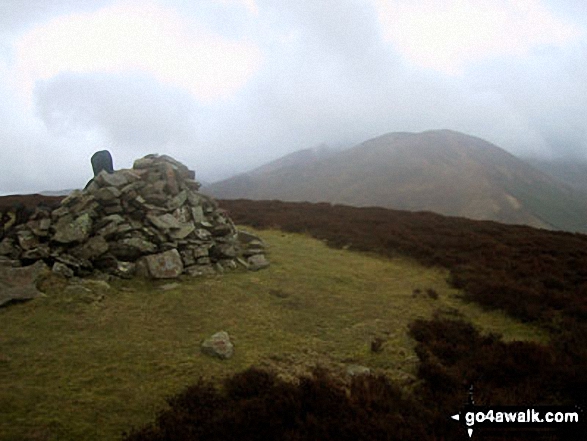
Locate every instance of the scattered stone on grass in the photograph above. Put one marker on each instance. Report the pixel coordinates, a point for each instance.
(218, 345)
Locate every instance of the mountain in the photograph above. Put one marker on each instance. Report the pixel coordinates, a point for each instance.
(572, 172)
(441, 170)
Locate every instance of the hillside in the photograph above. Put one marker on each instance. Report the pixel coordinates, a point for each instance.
(434, 289)
(441, 171)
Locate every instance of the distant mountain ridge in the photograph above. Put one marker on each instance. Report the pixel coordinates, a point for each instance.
(440, 170)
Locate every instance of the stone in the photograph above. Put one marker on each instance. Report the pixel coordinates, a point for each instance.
(257, 262)
(177, 201)
(166, 265)
(20, 284)
(218, 345)
(70, 230)
(187, 257)
(148, 221)
(140, 244)
(116, 179)
(200, 252)
(142, 163)
(62, 270)
(40, 252)
(27, 240)
(171, 180)
(245, 237)
(7, 247)
(164, 222)
(198, 215)
(182, 232)
(102, 160)
(125, 269)
(224, 250)
(92, 248)
(107, 194)
(355, 370)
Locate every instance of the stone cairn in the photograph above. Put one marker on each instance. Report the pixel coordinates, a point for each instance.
(150, 220)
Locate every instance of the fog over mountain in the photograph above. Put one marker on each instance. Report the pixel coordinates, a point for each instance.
(441, 170)
(227, 85)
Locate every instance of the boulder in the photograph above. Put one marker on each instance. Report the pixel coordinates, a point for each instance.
(218, 345)
(20, 284)
(166, 265)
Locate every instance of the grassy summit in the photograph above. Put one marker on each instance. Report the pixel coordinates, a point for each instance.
(89, 365)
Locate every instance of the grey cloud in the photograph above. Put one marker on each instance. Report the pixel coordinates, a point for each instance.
(130, 110)
(327, 76)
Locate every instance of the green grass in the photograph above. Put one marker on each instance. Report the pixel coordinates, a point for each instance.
(89, 365)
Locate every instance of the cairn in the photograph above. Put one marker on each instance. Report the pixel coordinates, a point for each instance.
(150, 220)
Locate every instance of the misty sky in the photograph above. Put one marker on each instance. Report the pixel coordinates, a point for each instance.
(225, 85)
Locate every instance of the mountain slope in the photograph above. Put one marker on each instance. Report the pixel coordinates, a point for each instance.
(442, 171)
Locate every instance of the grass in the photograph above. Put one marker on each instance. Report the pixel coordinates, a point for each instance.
(89, 363)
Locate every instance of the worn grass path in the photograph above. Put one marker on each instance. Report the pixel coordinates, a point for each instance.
(87, 366)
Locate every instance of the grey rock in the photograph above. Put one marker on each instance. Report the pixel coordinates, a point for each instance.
(187, 257)
(355, 370)
(224, 251)
(198, 215)
(200, 270)
(7, 247)
(62, 270)
(218, 345)
(166, 265)
(92, 248)
(70, 230)
(107, 194)
(257, 262)
(140, 244)
(246, 237)
(27, 240)
(177, 201)
(203, 234)
(182, 232)
(20, 284)
(200, 252)
(40, 252)
(117, 179)
(164, 222)
(125, 269)
(142, 163)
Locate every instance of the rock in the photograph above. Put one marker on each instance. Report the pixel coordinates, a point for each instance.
(200, 270)
(20, 284)
(148, 221)
(102, 161)
(355, 370)
(116, 180)
(166, 265)
(182, 232)
(107, 194)
(27, 240)
(70, 230)
(38, 253)
(257, 262)
(218, 345)
(125, 269)
(62, 270)
(164, 222)
(94, 247)
(7, 248)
